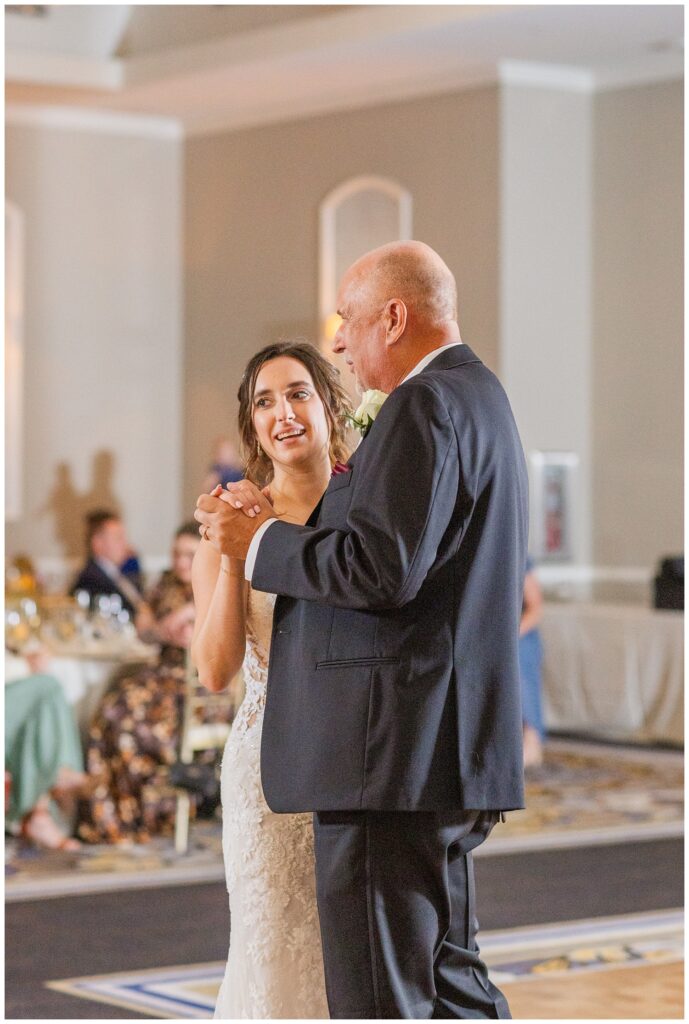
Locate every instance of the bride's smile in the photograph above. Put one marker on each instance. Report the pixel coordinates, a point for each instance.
(290, 435)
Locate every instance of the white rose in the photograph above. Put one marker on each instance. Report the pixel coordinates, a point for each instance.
(371, 401)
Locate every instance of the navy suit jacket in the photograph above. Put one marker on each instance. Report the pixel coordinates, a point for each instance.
(93, 580)
(394, 674)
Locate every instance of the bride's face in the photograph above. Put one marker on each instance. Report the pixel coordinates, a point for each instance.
(289, 417)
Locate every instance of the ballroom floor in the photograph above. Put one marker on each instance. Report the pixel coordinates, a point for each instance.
(116, 932)
(585, 794)
(579, 904)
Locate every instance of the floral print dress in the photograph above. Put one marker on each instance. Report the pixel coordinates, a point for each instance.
(135, 736)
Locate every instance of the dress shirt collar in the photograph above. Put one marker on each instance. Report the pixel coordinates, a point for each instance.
(428, 358)
(125, 586)
(108, 567)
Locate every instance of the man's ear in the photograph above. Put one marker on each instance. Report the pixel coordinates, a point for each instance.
(395, 316)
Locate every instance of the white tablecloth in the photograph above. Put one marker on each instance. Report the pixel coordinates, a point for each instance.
(85, 679)
(614, 671)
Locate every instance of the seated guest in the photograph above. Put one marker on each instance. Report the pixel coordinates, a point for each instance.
(137, 728)
(108, 549)
(530, 658)
(42, 753)
(226, 466)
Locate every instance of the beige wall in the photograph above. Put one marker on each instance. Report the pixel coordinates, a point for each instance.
(102, 333)
(638, 328)
(252, 202)
(545, 276)
(118, 410)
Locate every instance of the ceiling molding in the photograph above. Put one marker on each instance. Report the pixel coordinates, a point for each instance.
(651, 68)
(333, 32)
(87, 30)
(349, 60)
(339, 100)
(72, 71)
(545, 76)
(259, 47)
(356, 96)
(98, 121)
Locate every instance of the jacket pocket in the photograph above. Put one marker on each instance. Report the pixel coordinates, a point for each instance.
(356, 662)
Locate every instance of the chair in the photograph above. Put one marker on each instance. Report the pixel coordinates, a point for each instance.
(196, 736)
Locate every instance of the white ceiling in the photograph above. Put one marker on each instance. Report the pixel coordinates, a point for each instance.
(215, 67)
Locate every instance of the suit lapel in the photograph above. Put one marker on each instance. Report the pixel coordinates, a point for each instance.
(313, 518)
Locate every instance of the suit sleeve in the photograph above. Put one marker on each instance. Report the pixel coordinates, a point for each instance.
(405, 487)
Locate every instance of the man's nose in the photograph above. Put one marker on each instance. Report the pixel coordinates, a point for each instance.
(338, 345)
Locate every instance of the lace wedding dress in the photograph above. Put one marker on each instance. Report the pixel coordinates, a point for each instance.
(275, 966)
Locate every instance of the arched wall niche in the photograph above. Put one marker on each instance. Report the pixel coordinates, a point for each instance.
(360, 214)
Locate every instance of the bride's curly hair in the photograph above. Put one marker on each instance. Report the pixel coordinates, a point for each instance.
(326, 379)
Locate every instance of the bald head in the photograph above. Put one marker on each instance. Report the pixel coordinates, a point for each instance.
(397, 303)
(415, 273)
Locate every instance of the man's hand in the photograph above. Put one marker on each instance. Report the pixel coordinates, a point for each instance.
(229, 519)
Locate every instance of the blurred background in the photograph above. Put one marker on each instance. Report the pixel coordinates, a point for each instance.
(184, 185)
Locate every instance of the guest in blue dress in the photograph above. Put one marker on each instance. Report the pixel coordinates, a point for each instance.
(530, 659)
(227, 466)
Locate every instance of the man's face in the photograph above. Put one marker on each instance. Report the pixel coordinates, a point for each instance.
(361, 334)
(111, 542)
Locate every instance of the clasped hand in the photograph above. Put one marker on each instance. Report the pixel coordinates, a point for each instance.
(229, 518)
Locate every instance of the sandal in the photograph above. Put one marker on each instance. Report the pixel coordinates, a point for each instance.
(79, 784)
(51, 838)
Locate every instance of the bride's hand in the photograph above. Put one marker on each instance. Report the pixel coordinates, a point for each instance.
(246, 496)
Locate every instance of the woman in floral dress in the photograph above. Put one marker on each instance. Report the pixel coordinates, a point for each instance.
(136, 730)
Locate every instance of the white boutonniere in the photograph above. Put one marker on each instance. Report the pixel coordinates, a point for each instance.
(363, 418)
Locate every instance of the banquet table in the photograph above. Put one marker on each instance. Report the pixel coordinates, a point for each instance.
(614, 671)
(86, 670)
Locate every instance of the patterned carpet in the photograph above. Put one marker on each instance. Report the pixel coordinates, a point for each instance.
(586, 792)
(583, 794)
(515, 955)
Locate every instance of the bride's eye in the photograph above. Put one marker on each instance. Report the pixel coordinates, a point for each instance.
(261, 403)
(301, 394)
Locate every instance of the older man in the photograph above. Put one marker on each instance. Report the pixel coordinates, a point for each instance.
(393, 698)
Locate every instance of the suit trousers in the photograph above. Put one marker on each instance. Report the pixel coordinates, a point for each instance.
(396, 902)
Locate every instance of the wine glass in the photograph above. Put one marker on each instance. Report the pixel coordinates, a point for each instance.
(17, 631)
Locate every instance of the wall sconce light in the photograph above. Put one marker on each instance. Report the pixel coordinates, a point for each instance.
(332, 323)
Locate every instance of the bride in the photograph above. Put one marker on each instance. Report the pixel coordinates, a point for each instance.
(292, 423)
